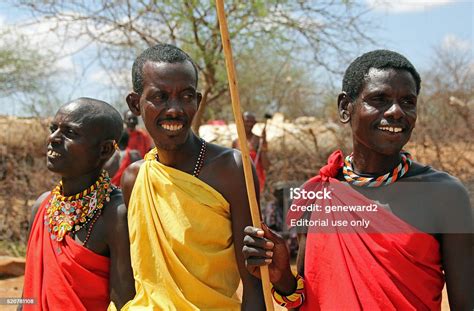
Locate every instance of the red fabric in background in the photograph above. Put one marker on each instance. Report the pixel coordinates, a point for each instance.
(139, 140)
(369, 271)
(123, 166)
(63, 275)
(259, 168)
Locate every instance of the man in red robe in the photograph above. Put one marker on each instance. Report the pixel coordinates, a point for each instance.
(78, 248)
(258, 148)
(121, 159)
(381, 231)
(138, 138)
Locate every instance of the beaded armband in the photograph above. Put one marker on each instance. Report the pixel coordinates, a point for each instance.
(293, 300)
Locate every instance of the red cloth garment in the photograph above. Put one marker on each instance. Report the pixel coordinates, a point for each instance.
(124, 163)
(259, 168)
(63, 275)
(352, 270)
(139, 140)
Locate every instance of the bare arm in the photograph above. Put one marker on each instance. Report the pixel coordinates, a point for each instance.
(122, 284)
(457, 250)
(252, 298)
(121, 280)
(457, 260)
(128, 180)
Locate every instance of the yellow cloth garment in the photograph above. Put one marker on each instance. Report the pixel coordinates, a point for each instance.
(181, 244)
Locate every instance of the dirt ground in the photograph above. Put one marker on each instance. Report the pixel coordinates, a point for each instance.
(10, 288)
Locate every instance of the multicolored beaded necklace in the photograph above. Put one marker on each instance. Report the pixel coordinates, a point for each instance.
(69, 214)
(376, 181)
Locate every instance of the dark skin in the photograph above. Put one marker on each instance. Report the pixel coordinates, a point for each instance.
(77, 153)
(113, 164)
(382, 118)
(253, 140)
(130, 120)
(167, 105)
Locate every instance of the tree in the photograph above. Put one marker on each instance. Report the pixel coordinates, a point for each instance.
(21, 68)
(445, 121)
(271, 81)
(315, 33)
(24, 72)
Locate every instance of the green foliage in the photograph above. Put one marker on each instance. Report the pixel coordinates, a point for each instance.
(21, 70)
(25, 75)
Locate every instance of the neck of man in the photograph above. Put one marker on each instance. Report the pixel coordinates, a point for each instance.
(249, 135)
(370, 162)
(74, 185)
(184, 156)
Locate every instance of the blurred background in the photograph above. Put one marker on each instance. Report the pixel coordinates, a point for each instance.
(290, 58)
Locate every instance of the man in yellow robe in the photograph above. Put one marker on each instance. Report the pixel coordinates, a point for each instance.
(187, 203)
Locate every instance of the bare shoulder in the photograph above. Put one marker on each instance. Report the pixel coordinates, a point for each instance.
(448, 198)
(114, 213)
(132, 170)
(115, 207)
(227, 160)
(135, 155)
(441, 182)
(223, 170)
(128, 179)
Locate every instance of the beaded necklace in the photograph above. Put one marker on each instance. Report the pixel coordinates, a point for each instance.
(69, 214)
(401, 169)
(199, 160)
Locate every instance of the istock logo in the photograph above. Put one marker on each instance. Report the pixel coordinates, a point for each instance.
(297, 193)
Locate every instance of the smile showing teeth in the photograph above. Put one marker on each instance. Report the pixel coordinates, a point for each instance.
(53, 154)
(391, 129)
(172, 127)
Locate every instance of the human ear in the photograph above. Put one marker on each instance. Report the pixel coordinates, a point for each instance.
(107, 149)
(133, 102)
(344, 106)
(198, 99)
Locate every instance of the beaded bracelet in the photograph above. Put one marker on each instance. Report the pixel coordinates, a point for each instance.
(293, 300)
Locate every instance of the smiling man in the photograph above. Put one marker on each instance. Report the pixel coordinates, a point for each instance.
(187, 203)
(78, 248)
(420, 237)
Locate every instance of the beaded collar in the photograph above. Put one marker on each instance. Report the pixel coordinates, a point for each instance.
(69, 214)
(401, 169)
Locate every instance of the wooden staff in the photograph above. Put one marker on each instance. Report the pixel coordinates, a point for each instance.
(234, 94)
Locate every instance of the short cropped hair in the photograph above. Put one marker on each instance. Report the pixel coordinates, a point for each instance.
(161, 53)
(100, 113)
(355, 74)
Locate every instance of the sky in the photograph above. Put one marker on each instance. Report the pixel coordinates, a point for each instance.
(415, 27)
(412, 27)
